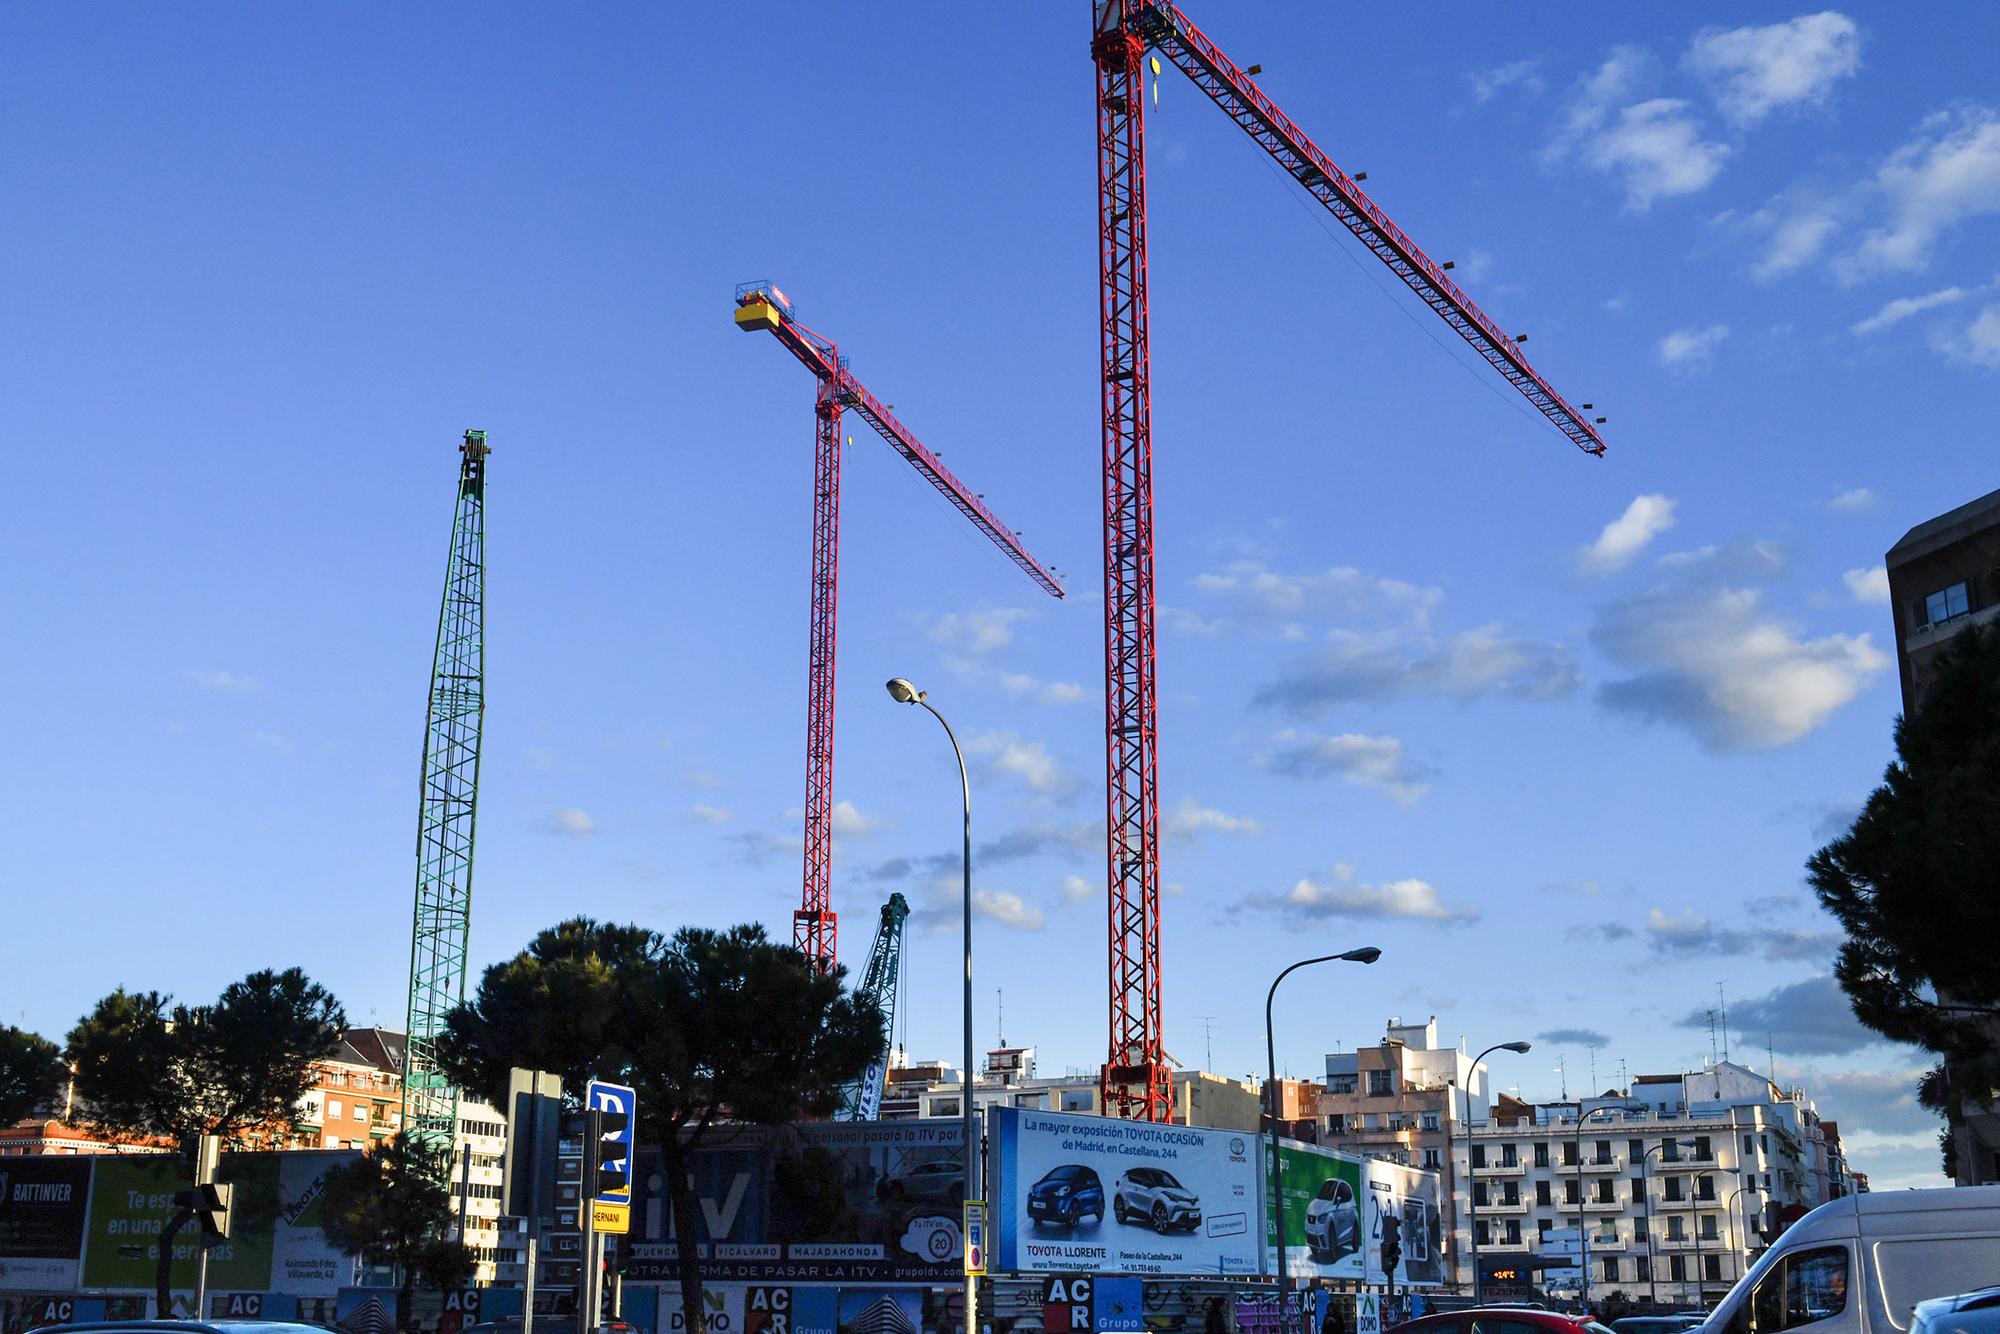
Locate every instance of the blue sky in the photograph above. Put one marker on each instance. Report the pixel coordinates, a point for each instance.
(1556, 733)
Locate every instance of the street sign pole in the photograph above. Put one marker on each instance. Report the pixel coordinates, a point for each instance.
(207, 1156)
(610, 1121)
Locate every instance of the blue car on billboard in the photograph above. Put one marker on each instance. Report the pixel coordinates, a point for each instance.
(1066, 1196)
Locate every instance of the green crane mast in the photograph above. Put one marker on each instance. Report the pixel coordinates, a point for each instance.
(447, 803)
(882, 979)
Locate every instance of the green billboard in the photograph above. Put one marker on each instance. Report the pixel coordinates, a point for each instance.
(1321, 1202)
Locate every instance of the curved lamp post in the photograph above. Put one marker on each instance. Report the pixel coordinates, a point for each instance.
(903, 692)
(1582, 1224)
(1652, 1252)
(1728, 1214)
(1366, 954)
(1471, 1182)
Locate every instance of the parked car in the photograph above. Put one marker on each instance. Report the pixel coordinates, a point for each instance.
(940, 1179)
(1333, 1221)
(1967, 1313)
(1500, 1320)
(1655, 1324)
(1151, 1195)
(1066, 1196)
(1857, 1265)
(544, 1324)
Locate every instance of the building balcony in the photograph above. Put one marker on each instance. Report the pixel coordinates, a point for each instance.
(1616, 1245)
(1605, 1206)
(1501, 1170)
(1612, 1164)
(1517, 1206)
(1658, 1165)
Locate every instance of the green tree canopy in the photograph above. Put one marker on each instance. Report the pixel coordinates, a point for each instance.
(1916, 880)
(238, 1068)
(31, 1073)
(704, 1024)
(384, 1209)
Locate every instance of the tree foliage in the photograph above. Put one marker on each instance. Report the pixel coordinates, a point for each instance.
(384, 1209)
(705, 1025)
(31, 1073)
(1916, 880)
(237, 1068)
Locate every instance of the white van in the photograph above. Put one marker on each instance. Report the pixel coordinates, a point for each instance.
(1858, 1265)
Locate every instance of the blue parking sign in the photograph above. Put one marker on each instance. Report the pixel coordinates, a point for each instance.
(602, 1097)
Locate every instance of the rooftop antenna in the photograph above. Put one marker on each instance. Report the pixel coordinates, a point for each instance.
(1000, 1024)
(1624, 1077)
(1771, 1051)
(1593, 1072)
(1711, 1039)
(1562, 1068)
(1208, 1042)
(1722, 1001)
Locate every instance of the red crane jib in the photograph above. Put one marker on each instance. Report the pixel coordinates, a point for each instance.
(1135, 1080)
(815, 926)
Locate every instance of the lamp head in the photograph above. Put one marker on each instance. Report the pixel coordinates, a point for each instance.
(1366, 954)
(1516, 1047)
(903, 692)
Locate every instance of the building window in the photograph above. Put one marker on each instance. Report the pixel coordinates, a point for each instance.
(1708, 1232)
(1478, 1160)
(1478, 1194)
(1711, 1267)
(1396, 1121)
(1704, 1189)
(1636, 1148)
(1542, 1196)
(360, 1112)
(1677, 1267)
(1604, 1193)
(1642, 1269)
(1676, 1229)
(1542, 1154)
(1543, 1227)
(1670, 1150)
(1569, 1153)
(1508, 1156)
(1570, 1195)
(1749, 1147)
(1340, 1084)
(1484, 1232)
(1381, 1083)
(944, 1106)
(1082, 1100)
(1945, 604)
(1703, 1150)
(1513, 1233)
(1604, 1151)
(1336, 1124)
(333, 1107)
(1638, 1190)
(1510, 1194)
(1432, 1158)
(1639, 1226)
(1430, 1122)
(1673, 1192)
(1611, 1266)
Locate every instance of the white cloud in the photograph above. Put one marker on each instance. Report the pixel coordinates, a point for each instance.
(1008, 909)
(1383, 665)
(1977, 343)
(1255, 587)
(570, 820)
(848, 822)
(1075, 889)
(980, 631)
(1376, 762)
(1714, 661)
(232, 682)
(1027, 761)
(1627, 535)
(1522, 74)
(1895, 312)
(1797, 236)
(1653, 147)
(1341, 896)
(1691, 347)
(1190, 818)
(1857, 501)
(1949, 173)
(1048, 692)
(706, 814)
(1870, 584)
(1757, 70)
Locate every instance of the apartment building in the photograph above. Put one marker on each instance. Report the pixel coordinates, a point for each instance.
(1944, 577)
(936, 1089)
(1402, 1099)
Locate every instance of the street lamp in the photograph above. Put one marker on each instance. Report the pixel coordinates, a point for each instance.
(1646, 1184)
(1366, 954)
(1472, 1185)
(1742, 1253)
(1582, 1224)
(903, 692)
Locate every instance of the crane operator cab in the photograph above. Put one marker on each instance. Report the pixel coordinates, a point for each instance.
(760, 307)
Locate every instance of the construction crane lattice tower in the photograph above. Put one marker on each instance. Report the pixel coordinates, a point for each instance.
(447, 807)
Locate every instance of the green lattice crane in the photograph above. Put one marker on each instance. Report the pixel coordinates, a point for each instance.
(882, 978)
(447, 804)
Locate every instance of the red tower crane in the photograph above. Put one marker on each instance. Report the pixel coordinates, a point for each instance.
(761, 306)
(1135, 1079)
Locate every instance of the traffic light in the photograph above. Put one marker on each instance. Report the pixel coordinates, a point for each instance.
(1392, 1244)
(607, 1153)
(209, 1205)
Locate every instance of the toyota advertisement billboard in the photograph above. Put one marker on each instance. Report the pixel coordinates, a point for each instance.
(1324, 1211)
(1092, 1194)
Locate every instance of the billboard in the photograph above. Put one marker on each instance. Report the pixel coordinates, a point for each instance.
(1325, 1213)
(1090, 1194)
(42, 1208)
(861, 1202)
(1409, 1195)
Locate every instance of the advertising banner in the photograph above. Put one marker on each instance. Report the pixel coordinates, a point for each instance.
(862, 1202)
(1323, 1212)
(1092, 1194)
(275, 1241)
(42, 1208)
(1410, 1196)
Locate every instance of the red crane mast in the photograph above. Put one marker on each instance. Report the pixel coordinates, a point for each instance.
(761, 306)
(1135, 1078)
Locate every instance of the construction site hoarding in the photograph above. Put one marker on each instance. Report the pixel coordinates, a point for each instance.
(1410, 1196)
(43, 1203)
(1090, 1194)
(841, 1202)
(1323, 1209)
